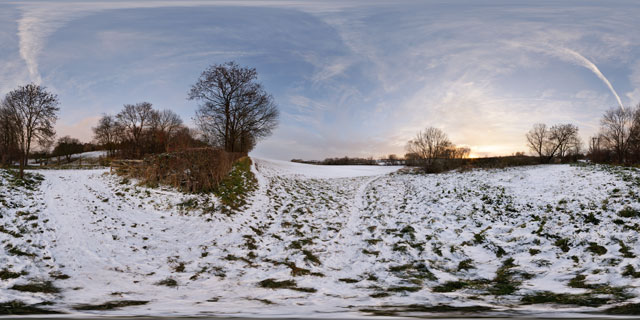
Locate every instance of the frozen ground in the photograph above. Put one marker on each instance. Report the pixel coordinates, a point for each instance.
(325, 241)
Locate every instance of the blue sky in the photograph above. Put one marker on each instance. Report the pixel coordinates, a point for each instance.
(355, 78)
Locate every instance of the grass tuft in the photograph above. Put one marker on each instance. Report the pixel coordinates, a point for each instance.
(110, 305)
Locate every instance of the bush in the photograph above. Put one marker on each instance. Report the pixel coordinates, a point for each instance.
(192, 170)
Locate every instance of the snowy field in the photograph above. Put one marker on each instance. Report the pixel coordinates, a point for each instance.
(325, 241)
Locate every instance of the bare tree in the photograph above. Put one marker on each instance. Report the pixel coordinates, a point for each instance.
(461, 152)
(106, 133)
(67, 146)
(429, 144)
(617, 130)
(562, 137)
(134, 119)
(559, 140)
(537, 138)
(165, 123)
(235, 110)
(392, 159)
(33, 111)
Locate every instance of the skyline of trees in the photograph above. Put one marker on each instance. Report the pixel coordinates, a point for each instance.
(619, 137)
(138, 129)
(29, 113)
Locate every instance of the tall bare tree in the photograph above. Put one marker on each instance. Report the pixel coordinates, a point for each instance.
(235, 111)
(165, 123)
(33, 111)
(134, 119)
(562, 138)
(537, 138)
(106, 133)
(558, 141)
(617, 130)
(429, 144)
(67, 146)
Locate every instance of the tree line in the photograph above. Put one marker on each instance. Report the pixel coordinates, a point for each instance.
(560, 141)
(618, 140)
(234, 113)
(138, 129)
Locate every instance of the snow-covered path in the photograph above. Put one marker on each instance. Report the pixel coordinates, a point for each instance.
(334, 240)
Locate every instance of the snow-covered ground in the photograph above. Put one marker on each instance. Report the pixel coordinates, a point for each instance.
(345, 239)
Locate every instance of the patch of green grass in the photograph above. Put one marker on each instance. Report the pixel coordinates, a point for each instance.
(630, 271)
(10, 232)
(379, 295)
(237, 186)
(450, 286)
(596, 248)
(309, 256)
(466, 264)
(625, 250)
(31, 181)
(591, 218)
(297, 271)
(629, 212)
(58, 275)
(404, 289)
(188, 204)
(478, 238)
(110, 305)
(299, 244)
(504, 282)
(371, 252)
(584, 300)
(416, 308)
(625, 309)
(20, 308)
(169, 282)
(563, 244)
(6, 274)
(284, 284)
(37, 286)
(17, 252)
(534, 251)
(578, 282)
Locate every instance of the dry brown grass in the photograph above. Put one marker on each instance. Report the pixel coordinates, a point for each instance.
(191, 170)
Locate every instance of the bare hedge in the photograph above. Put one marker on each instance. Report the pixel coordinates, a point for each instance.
(191, 170)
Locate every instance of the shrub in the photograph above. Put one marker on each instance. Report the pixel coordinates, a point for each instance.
(191, 170)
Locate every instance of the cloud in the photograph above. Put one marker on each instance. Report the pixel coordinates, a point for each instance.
(39, 20)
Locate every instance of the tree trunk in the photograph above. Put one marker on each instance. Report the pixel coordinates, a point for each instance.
(22, 164)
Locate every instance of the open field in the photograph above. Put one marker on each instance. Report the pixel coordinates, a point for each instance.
(334, 241)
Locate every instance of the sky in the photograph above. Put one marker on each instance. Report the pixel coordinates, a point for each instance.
(355, 78)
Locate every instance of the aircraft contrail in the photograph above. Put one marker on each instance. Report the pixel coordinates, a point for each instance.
(572, 56)
(581, 60)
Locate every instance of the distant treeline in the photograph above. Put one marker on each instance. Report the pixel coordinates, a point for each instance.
(340, 161)
(619, 138)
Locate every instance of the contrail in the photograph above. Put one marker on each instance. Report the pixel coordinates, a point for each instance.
(581, 60)
(574, 57)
